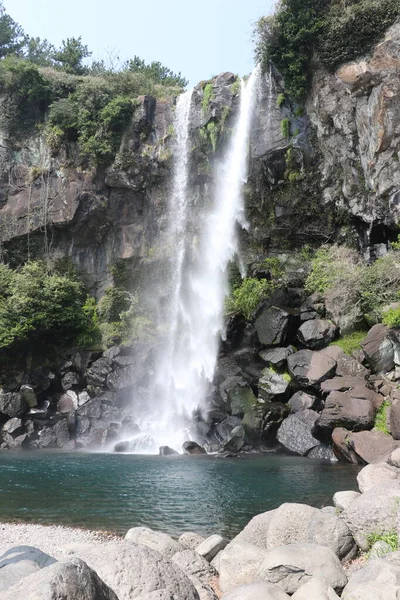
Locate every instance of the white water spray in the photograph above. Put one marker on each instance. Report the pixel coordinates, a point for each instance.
(200, 252)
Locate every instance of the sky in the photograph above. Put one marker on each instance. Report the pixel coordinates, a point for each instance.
(200, 39)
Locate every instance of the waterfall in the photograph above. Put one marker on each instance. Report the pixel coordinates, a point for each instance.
(200, 247)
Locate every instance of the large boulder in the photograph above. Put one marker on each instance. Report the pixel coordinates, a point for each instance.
(273, 385)
(302, 401)
(131, 570)
(98, 372)
(316, 333)
(272, 325)
(291, 566)
(237, 395)
(375, 474)
(12, 404)
(298, 524)
(343, 499)
(315, 589)
(362, 446)
(239, 564)
(156, 540)
(295, 432)
(19, 562)
(71, 579)
(235, 440)
(198, 570)
(379, 579)
(353, 410)
(193, 448)
(210, 547)
(260, 590)
(379, 349)
(309, 368)
(348, 382)
(374, 512)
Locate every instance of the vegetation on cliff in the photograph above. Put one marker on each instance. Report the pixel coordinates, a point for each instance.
(333, 31)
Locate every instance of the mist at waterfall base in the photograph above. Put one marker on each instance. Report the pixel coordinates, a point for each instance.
(200, 241)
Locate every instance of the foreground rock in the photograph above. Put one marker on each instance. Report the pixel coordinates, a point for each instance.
(20, 562)
(71, 579)
(378, 580)
(210, 547)
(315, 589)
(374, 512)
(190, 540)
(363, 446)
(291, 566)
(256, 591)
(239, 564)
(295, 432)
(198, 570)
(155, 540)
(375, 474)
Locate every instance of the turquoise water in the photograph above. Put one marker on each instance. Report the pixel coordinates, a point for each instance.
(173, 494)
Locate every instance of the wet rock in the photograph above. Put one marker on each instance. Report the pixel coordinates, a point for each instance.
(235, 440)
(13, 427)
(276, 357)
(12, 404)
(322, 452)
(272, 325)
(112, 352)
(98, 372)
(91, 409)
(316, 333)
(83, 397)
(28, 395)
(121, 378)
(224, 429)
(237, 395)
(192, 448)
(342, 384)
(129, 427)
(273, 385)
(295, 433)
(122, 446)
(61, 432)
(167, 451)
(310, 369)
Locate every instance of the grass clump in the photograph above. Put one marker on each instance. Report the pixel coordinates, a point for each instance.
(208, 95)
(392, 539)
(248, 295)
(351, 342)
(285, 128)
(381, 418)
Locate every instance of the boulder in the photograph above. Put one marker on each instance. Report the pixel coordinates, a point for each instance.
(192, 448)
(272, 325)
(378, 349)
(297, 524)
(155, 540)
(379, 549)
(352, 410)
(379, 579)
(343, 384)
(276, 357)
(374, 474)
(68, 402)
(12, 404)
(133, 569)
(198, 570)
(291, 566)
(295, 432)
(394, 419)
(19, 562)
(322, 452)
(256, 591)
(210, 547)
(235, 440)
(70, 380)
(71, 579)
(121, 377)
(302, 401)
(190, 540)
(343, 499)
(363, 446)
(98, 372)
(394, 458)
(374, 512)
(13, 427)
(237, 395)
(309, 368)
(167, 451)
(224, 429)
(273, 385)
(316, 333)
(28, 395)
(239, 564)
(315, 589)
(348, 366)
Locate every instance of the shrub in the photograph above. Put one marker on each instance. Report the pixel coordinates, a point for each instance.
(285, 128)
(280, 100)
(207, 97)
(380, 418)
(391, 318)
(333, 267)
(248, 295)
(381, 284)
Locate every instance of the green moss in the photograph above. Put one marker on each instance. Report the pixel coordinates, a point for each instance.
(350, 343)
(208, 95)
(286, 377)
(381, 417)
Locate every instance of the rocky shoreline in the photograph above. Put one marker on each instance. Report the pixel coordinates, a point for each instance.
(347, 551)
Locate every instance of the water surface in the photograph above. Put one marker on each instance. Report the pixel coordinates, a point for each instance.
(204, 494)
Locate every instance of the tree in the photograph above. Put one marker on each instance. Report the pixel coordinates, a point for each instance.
(156, 71)
(40, 52)
(71, 55)
(12, 37)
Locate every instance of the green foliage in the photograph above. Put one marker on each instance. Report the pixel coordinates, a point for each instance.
(39, 52)
(208, 95)
(114, 302)
(71, 55)
(235, 87)
(333, 266)
(157, 72)
(392, 539)
(351, 29)
(248, 295)
(12, 37)
(120, 318)
(391, 317)
(380, 284)
(39, 306)
(381, 418)
(285, 128)
(212, 130)
(280, 101)
(351, 342)
(396, 245)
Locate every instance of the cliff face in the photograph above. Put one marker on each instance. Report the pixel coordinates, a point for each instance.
(335, 176)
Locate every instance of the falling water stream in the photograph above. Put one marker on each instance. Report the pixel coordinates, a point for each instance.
(199, 255)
